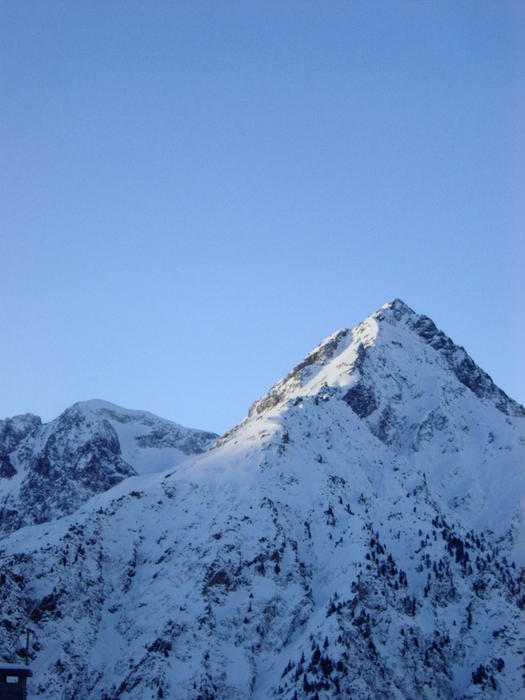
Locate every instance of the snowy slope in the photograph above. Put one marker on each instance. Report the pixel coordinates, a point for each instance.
(424, 397)
(47, 471)
(357, 535)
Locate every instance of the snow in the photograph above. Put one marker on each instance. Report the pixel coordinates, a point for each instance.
(86, 450)
(384, 540)
(132, 425)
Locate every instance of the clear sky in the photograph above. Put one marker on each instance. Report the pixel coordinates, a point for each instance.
(194, 193)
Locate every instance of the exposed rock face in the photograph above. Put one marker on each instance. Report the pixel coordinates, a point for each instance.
(457, 359)
(12, 432)
(88, 449)
(359, 535)
(352, 352)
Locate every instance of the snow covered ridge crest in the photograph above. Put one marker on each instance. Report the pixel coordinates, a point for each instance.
(50, 470)
(338, 360)
(457, 358)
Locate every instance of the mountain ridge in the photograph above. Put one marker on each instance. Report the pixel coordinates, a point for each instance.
(463, 366)
(49, 469)
(339, 542)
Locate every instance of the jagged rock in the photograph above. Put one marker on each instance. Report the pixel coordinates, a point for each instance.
(88, 449)
(340, 542)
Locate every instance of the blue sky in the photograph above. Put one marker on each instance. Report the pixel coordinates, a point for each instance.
(195, 193)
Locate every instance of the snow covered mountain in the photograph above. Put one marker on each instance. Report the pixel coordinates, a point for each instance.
(47, 471)
(359, 535)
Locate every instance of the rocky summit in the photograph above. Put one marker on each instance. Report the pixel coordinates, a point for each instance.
(360, 534)
(51, 470)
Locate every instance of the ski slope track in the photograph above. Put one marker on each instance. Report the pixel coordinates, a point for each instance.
(360, 534)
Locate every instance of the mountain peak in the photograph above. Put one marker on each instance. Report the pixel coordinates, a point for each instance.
(396, 345)
(48, 470)
(398, 305)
